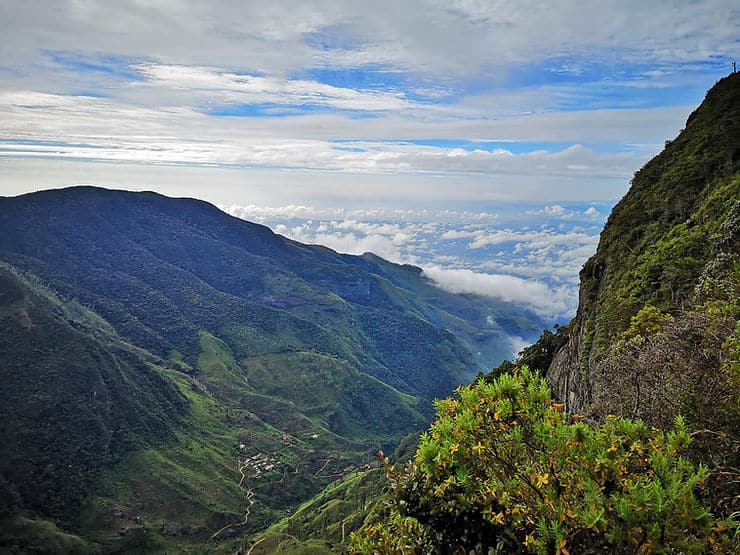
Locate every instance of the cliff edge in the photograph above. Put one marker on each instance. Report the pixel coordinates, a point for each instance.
(669, 247)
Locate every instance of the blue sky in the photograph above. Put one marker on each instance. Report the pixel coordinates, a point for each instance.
(457, 105)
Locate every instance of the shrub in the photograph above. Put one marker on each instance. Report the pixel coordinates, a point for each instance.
(504, 470)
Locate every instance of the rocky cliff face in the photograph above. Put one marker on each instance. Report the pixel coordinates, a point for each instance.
(567, 375)
(670, 243)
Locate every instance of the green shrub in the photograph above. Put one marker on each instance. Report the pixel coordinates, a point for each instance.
(649, 320)
(504, 470)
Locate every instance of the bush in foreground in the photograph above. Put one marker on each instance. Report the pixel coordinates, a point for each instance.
(504, 470)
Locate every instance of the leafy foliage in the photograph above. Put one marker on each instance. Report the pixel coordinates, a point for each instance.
(72, 402)
(537, 356)
(503, 469)
(648, 321)
(682, 365)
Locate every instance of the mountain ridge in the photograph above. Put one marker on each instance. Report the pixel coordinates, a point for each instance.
(189, 270)
(659, 239)
(292, 363)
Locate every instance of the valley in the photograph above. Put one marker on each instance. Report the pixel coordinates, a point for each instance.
(288, 366)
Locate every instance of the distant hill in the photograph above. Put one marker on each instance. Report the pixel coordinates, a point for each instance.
(168, 368)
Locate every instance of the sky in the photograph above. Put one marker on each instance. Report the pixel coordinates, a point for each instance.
(483, 140)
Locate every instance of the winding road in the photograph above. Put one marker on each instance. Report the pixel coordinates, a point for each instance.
(250, 498)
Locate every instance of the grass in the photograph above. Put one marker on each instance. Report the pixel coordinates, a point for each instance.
(24, 535)
(174, 496)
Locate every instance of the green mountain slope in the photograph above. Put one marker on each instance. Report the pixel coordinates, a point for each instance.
(71, 402)
(657, 334)
(672, 242)
(161, 270)
(247, 372)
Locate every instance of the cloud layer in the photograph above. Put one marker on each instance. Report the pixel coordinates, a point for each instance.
(537, 97)
(529, 255)
(548, 302)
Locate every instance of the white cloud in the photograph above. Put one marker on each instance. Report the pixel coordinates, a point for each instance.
(454, 234)
(215, 86)
(532, 239)
(226, 186)
(364, 219)
(427, 37)
(554, 210)
(101, 129)
(260, 213)
(558, 211)
(350, 243)
(161, 67)
(546, 301)
(518, 344)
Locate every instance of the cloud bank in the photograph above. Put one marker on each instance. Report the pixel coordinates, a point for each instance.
(546, 301)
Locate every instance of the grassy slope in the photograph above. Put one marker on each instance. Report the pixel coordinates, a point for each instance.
(179, 494)
(73, 400)
(176, 492)
(323, 523)
(76, 398)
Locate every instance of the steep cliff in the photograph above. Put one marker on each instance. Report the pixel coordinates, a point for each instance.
(669, 247)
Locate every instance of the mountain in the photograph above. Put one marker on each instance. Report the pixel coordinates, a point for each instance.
(161, 270)
(168, 369)
(671, 243)
(631, 444)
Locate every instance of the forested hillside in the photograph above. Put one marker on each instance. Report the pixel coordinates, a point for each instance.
(175, 378)
(75, 398)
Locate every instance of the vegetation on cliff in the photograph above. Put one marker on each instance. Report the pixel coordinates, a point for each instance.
(640, 453)
(504, 469)
(672, 242)
(656, 332)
